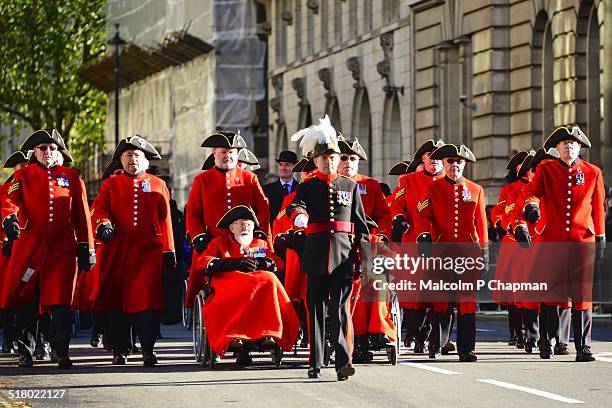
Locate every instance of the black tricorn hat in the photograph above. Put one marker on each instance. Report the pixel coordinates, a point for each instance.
(248, 157)
(240, 212)
(517, 159)
(526, 164)
(428, 146)
(414, 165)
(310, 165)
(209, 162)
(564, 133)
(113, 166)
(136, 142)
(43, 136)
(299, 166)
(226, 139)
(544, 154)
(287, 156)
(352, 147)
(452, 150)
(14, 159)
(399, 168)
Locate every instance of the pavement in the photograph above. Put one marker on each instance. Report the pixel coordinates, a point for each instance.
(502, 377)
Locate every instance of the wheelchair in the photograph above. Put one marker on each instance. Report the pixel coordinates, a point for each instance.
(187, 313)
(203, 353)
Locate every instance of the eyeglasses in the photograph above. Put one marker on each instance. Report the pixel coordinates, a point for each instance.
(458, 161)
(44, 148)
(350, 158)
(244, 223)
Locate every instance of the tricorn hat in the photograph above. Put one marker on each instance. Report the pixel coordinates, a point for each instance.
(14, 159)
(517, 159)
(526, 164)
(112, 167)
(248, 157)
(299, 166)
(240, 212)
(287, 156)
(414, 165)
(544, 154)
(209, 163)
(453, 150)
(428, 146)
(564, 133)
(399, 168)
(43, 136)
(226, 139)
(136, 143)
(352, 147)
(310, 165)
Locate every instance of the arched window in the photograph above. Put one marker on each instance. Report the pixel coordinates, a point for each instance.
(297, 24)
(333, 110)
(353, 20)
(323, 9)
(362, 127)
(392, 135)
(543, 120)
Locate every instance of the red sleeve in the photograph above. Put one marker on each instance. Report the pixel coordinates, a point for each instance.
(80, 215)
(382, 213)
(598, 211)
(194, 213)
(499, 210)
(398, 203)
(424, 214)
(481, 219)
(212, 251)
(12, 200)
(102, 206)
(165, 221)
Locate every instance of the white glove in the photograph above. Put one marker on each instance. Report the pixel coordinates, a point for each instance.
(301, 220)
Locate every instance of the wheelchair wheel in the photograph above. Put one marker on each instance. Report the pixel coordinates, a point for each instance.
(326, 353)
(208, 356)
(198, 328)
(187, 313)
(276, 354)
(396, 316)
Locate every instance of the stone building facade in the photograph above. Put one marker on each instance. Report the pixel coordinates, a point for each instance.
(497, 75)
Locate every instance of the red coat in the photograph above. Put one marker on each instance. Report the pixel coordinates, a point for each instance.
(374, 202)
(507, 198)
(408, 193)
(4, 261)
(247, 306)
(131, 263)
(213, 193)
(51, 205)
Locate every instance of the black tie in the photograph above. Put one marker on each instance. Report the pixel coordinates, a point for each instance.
(287, 188)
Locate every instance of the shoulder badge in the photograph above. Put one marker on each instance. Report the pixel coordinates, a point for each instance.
(14, 187)
(421, 205)
(400, 193)
(281, 214)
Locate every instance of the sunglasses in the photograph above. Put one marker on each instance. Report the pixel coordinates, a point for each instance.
(44, 148)
(350, 158)
(458, 161)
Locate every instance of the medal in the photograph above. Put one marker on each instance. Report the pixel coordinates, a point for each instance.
(579, 178)
(62, 181)
(362, 189)
(146, 186)
(466, 195)
(345, 198)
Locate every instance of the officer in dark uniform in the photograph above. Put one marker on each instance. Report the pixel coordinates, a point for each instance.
(330, 207)
(285, 185)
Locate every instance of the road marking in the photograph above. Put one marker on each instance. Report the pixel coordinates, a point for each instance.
(600, 357)
(532, 391)
(485, 330)
(430, 368)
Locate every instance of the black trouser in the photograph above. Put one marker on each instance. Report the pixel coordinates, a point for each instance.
(515, 322)
(582, 320)
(98, 324)
(565, 317)
(418, 326)
(466, 333)
(441, 326)
(549, 323)
(336, 290)
(530, 317)
(43, 333)
(146, 324)
(7, 318)
(60, 330)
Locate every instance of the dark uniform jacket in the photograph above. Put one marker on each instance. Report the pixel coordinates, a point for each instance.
(276, 193)
(337, 222)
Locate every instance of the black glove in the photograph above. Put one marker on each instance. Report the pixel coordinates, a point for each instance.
(383, 238)
(296, 241)
(200, 243)
(600, 248)
(168, 261)
(243, 265)
(10, 225)
(7, 248)
(532, 213)
(500, 231)
(424, 244)
(280, 245)
(400, 226)
(86, 259)
(266, 264)
(521, 234)
(105, 233)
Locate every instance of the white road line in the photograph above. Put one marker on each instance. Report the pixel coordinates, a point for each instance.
(532, 391)
(430, 368)
(485, 330)
(600, 357)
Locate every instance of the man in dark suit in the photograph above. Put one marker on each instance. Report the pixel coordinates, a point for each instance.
(286, 184)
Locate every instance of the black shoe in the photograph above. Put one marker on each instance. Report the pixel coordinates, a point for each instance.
(546, 351)
(419, 348)
(530, 346)
(54, 357)
(244, 359)
(585, 355)
(25, 361)
(7, 348)
(64, 363)
(512, 341)
(448, 348)
(434, 352)
(42, 352)
(561, 349)
(410, 343)
(345, 372)
(119, 359)
(368, 356)
(468, 358)
(95, 341)
(149, 359)
(358, 357)
(520, 343)
(304, 343)
(314, 372)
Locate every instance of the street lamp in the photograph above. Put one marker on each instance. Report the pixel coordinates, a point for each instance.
(117, 41)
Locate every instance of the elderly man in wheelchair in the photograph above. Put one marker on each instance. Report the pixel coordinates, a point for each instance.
(244, 306)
